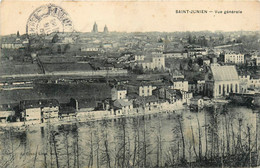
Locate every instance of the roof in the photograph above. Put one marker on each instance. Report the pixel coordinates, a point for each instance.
(39, 103)
(143, 100)
(224, 73)
(122, 103)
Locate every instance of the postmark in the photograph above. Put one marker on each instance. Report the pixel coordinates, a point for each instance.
(47, 19)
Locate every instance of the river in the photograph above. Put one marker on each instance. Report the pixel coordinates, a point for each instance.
(221, 135)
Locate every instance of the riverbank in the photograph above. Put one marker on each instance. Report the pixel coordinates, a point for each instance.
(89, 117)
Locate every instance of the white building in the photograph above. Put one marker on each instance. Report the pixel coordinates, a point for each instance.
(180, 84)
(153, 62)
(221, 80)
(139, 57)
(254, 83)
(258, 61)
(12, 45)
(5, 112)
(234, 58)
(90, 47)
(118, 93)
(146, 90)
(176, 54)
(39, 110)
(122, 107)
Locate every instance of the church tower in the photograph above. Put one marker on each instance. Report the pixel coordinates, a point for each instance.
(95, 28)
(105, 29)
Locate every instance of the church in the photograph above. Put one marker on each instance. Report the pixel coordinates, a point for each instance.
(221, 80)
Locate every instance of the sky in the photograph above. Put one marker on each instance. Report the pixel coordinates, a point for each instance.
(142, 16)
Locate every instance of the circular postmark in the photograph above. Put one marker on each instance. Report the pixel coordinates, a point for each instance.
(47, 19)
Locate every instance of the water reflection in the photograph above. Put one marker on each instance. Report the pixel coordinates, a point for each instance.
(220, 135)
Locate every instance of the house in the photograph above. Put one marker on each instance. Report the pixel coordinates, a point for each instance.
(6, 110)
(39, 110)
(196, 52)
(91, 48)
(176, 54)
(122, 107)
(146, 90)
(180, 84)
(254, 83)
(146, 104)
(197, 86)
(139, 57)
(186, 96)
(170, 95)
(118, 92)
(11, 43)
(235, 58)
(152, 63)
(221, 80)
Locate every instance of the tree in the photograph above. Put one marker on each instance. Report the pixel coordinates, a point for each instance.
(18, 34)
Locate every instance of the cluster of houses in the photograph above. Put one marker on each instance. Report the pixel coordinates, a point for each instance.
(146, 97)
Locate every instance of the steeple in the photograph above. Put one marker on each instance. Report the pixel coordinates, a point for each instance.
(105, 29)
(95, 28)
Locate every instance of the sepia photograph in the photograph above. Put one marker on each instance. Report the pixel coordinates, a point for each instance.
(129, 84)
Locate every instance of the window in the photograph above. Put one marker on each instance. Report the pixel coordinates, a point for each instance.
(236, 88)
(219, 89)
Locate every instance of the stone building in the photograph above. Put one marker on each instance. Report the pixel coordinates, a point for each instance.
(152, 63)
(235, 58)
(221, 80)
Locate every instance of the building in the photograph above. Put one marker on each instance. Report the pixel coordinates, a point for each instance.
(146, 90)
(258, 61)
(105, 29)
(254, 83)
(146, 104)
(122, 107)
(91, 48)
(95, 28)
(118, 92)
(186, 96)
(221, 80)
(6, 111)
(152, 63)
(234, 58)
(39, 110)
(176, 54)
(139, 57)
(180, 84)
(197, 52)
(170, 95)
(197, 86)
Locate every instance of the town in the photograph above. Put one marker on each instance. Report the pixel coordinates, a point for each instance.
(66, 76)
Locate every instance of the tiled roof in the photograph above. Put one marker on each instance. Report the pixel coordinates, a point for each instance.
(224, 73)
